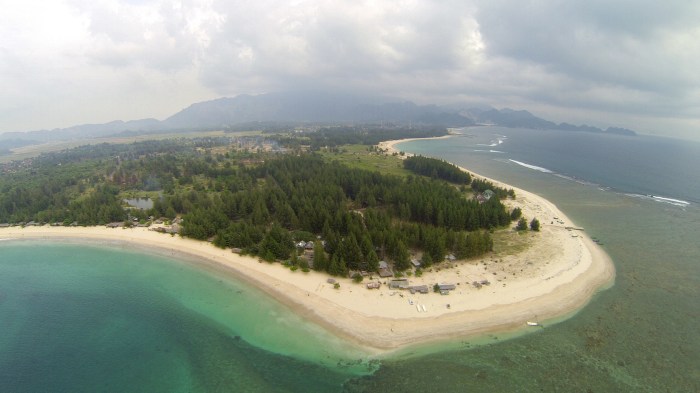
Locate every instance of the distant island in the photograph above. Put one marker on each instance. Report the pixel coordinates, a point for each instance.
(524, 119)
(287, 110)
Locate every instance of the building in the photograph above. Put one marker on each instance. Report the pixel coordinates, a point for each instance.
(384, 273)
(399, 283)
(447, 287)
(384, 270)
(419, 289)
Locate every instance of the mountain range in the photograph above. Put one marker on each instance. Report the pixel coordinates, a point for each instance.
(305, 107)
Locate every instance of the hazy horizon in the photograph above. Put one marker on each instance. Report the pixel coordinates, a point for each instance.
(621, 63)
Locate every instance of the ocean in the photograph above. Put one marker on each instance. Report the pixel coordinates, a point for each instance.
(86, 318)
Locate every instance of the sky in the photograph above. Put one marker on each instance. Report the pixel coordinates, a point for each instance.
(624, 63)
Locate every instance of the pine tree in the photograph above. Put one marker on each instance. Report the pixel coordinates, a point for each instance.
(522, 224)
(320, 261)
(516, 213)
(372, 261)
(402, 261)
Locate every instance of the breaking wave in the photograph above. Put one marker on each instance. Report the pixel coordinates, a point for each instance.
(670, 201)
(499, 140)
(537, 168)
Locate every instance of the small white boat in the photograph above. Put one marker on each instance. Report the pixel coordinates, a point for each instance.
(418, 307)
(530, 323)
(424, 309)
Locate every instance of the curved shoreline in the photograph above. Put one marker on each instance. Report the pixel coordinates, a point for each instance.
(555, 276)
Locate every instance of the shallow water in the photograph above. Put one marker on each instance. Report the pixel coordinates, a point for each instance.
(86, 318)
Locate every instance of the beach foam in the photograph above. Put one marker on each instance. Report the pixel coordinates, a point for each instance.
(537, 168)
(498, 141)
(670, 201)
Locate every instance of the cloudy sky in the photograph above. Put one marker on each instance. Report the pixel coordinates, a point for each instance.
(628, 63)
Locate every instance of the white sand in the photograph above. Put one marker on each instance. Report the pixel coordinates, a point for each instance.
(554, 275)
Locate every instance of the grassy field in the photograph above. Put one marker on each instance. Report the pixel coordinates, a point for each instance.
(35, 150)
(358, 156)
(509, 242)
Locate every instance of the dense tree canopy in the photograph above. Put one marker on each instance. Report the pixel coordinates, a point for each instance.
(361, 215)
(481, 185)
(359, 135)
(437, 169)
(259, 202)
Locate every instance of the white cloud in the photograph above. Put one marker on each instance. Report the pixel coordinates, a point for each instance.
(98, 60)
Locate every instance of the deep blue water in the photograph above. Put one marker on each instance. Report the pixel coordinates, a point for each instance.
(644, 165)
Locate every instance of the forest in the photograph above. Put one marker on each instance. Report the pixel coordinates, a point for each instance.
(357, 135)
(437, 169)
(261, 203)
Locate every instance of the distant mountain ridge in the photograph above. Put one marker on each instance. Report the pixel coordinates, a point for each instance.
(301, 107)
(311, 107)
(523, 119)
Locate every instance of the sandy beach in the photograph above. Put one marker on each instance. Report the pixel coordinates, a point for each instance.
(557, 273)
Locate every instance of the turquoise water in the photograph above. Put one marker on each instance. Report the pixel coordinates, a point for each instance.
(77, 318)
(85, 318)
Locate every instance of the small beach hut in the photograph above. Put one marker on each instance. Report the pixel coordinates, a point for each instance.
(447, 287)
(399, 283)
(374, 285)
(419, 289)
